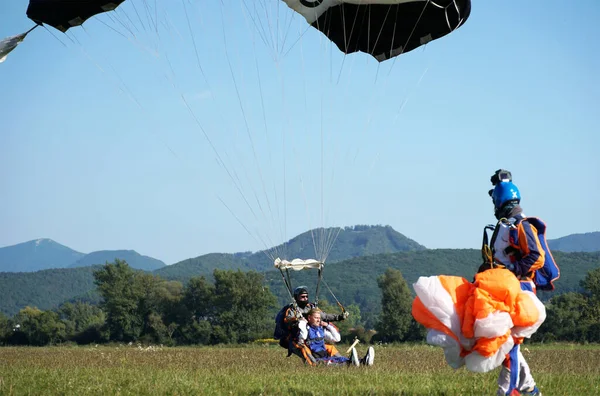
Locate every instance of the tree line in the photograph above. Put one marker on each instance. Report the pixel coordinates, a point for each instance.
(238, 308)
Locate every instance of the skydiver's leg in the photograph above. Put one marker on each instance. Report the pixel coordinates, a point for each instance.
(303, 352)
(508, 378)
(526, 379)
(332, 350)
(503, 380)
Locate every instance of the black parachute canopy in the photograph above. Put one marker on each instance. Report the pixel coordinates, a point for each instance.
(383, 28)
(64, 14)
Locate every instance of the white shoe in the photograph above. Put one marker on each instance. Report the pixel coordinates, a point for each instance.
(369, 357)
(354, 357)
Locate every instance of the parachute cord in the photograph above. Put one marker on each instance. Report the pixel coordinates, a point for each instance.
(287, 283)
(410, 35)
(289, 280)
(331, 242)
(252, 144)
(266, 251)
(318, 286)
(334, 297)
(187, 17)
(31, 30)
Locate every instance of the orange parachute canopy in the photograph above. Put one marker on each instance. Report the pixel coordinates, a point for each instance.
(478, 323)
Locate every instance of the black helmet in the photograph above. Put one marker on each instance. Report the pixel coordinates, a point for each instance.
(300, 290)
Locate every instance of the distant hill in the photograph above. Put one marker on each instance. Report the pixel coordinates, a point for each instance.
(588, 242)
(39, 254)
(45, 289)
(359, 256)
(356, 241)
(353, 281)
(133, 258)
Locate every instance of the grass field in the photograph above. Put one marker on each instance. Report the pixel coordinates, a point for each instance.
(559, 369)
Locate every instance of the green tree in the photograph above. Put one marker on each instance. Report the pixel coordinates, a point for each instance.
(124, 293)
(5, 328)
(198, 299)
(396, 307)
(40, 327)
(564, 315)
(242, 306)
(79, 317)
(197, 312)
(591, 283)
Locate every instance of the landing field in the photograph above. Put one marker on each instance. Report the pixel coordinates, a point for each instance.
(560, 369)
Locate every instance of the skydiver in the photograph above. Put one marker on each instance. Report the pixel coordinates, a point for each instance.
(295, 316)
(515, 245)
(316, 340)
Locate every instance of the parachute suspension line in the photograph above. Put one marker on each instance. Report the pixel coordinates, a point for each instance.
(331, 240)
(195, 46)
(117, 12)
(287, 128)
(299, 39)
(122, 88)
(334, 297)
(270, 157)
(31, 30)
(318, 286)
(219, 158)
(151, 21)
(252, 144)
(400, 109)
(410, 35)
(55, 36)
(261, 30)
(289, 279)
(287, 31)
(264, 189)
(138, 15)
(288, 284)
(112, 28)
(260, 240)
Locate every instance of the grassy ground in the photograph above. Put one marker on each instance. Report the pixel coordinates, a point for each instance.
(264, 370)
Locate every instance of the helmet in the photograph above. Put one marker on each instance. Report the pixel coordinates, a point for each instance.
(505, 192)
(300, 290)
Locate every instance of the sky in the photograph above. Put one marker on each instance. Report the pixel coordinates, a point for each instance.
(178, 129)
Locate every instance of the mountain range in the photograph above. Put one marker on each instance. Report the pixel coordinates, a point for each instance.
(42, 254)
(360, 254)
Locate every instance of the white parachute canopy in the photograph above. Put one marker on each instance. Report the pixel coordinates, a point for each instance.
(298, 264)
(10, 43)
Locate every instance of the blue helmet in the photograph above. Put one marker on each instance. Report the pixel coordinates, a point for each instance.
(505, 192)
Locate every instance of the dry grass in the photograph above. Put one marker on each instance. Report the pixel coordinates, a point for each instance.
(398, 370)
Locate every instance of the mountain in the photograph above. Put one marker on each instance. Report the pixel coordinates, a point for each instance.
(39, 254)
(133, 258)
(353, 281)
(359, 256)
(588, 242)
(45, 289)
(348, 242)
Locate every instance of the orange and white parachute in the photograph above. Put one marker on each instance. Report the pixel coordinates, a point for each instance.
(478, 323)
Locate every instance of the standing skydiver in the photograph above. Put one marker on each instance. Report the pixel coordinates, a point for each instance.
(518, 244)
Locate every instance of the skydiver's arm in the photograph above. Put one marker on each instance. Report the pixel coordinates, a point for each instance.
(532, 255)
(291, 317)
(332, 334)
(326, 317)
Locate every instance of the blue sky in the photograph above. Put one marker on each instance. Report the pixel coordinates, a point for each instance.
(118, 136)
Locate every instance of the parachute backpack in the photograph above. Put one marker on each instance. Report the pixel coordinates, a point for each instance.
(544, 277)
